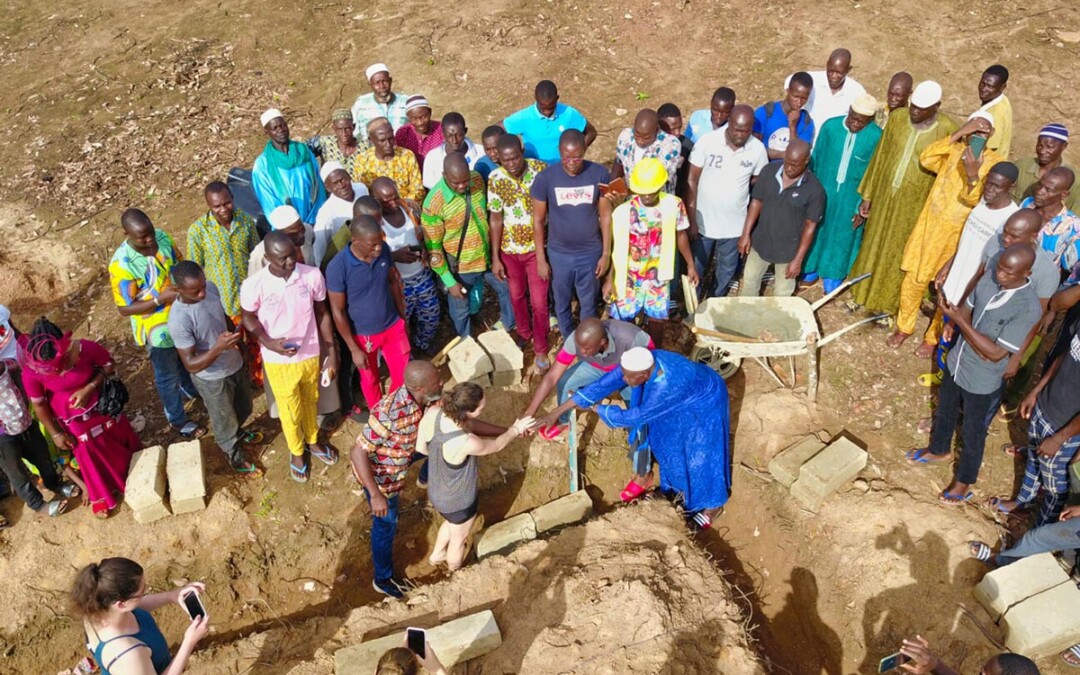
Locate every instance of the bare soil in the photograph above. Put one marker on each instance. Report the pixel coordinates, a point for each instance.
(122, 103)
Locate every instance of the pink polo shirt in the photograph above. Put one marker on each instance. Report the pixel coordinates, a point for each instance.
(286, 309)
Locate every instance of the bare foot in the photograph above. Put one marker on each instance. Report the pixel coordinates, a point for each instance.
(897, 339)
(925, 351)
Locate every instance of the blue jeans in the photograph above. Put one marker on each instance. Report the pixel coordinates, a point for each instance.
(1059, 536)
(173, 383)
(727, 263)
(459, 307)
(577, 377)
(570, 275)
(383, 531)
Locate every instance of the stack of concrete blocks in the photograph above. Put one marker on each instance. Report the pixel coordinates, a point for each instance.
(504, 535)
(1036, 602)
(813, 471)
(145, 491)
(469, 363)
(506, 357)
(187, 483)
(454, 642)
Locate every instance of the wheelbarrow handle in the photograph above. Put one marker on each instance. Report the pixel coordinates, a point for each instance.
(837, 291)
(730, 337)
(829, 338)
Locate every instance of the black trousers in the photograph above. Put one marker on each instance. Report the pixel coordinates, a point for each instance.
(975, 407)
(31, 445)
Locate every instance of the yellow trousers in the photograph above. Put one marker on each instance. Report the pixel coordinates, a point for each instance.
(911, 296)
(296, 390)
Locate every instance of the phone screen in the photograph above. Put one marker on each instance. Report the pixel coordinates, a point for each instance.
(977, 144)
(417, 639)
(194, 605)
(891, 661)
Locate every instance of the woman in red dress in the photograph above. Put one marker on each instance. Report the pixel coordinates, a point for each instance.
(63, 378)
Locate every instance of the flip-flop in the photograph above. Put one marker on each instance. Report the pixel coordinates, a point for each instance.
(948, 499)
(1071, 656)
(702, 520)
(633, 490)
(324, 453)
(550, 432)
(929, 379)
(190, 431)
(1015, 451)
(251, 437)
(298, 474)
(924, 456)
(56, 507)
(70, 490)
(245, 466)
(980, 551)
(996, 504)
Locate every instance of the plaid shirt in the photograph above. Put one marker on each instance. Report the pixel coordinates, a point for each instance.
(389, 438)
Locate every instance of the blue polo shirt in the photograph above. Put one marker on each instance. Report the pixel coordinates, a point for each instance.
(773, 129)
(366, 286)
(540, 134)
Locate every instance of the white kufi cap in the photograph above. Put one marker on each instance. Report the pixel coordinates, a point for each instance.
(637, 359)
(272, 113)
(329, 168)
(928, 93)
(374, 69)
(282, 217)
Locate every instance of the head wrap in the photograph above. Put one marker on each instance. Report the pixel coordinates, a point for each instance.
(341, 114)
(417, 101)
(1055, 130)
(927, 94)
(376, 68)
(637, 360)
(981, 115)
(1006, 170)
(329, 168)
(271, 114)
(282, 217)
(865, 105)
(34, 346)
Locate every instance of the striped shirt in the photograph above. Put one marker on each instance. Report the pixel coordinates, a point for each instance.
(442, 219)
(389, 438)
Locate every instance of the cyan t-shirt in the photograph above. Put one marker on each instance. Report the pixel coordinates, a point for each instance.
(573, 221)
(539, 134)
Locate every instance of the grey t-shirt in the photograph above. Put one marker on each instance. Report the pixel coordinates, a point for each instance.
(622, 337)
(1006, 316)
(198, 325)
(1045, 274)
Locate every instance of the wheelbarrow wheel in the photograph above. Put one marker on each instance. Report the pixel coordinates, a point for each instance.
(722, 362)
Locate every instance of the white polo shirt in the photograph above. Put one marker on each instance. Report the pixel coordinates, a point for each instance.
(723, 193)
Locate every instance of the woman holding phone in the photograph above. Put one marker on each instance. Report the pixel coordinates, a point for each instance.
(112, 601)
(448, 434)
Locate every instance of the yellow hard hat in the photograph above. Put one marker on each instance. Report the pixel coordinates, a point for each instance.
(648, 176)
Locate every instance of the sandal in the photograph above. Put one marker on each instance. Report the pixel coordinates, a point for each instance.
(299, 473)
(929, 379)
(324, 452)
(542, 364)
(924, 456)
(190, 431)
(70, 490)
(550, 432)
(949, 499)
(245, 465)
(1014, 451)
(1071, 656)
(980, 551)
(702, 520)
(251, 437)
(997, 504)
(56, 507)
(4, 523)
(634, 490)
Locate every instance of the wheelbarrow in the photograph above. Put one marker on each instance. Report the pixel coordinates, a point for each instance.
(731, 329)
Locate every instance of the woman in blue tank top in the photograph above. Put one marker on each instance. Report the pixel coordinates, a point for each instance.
(111, 599)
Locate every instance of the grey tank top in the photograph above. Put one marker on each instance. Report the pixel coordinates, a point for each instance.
(451, 487)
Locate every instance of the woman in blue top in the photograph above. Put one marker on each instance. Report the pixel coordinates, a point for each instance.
(111, 599)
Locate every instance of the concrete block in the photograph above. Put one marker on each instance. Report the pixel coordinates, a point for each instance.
(1045, 623)
(145, 486)
(504, 352)
(506, 534)
(826, 471)
(785, 466)
(506, 378)
(455, 642)
(149, 514)
(468, 360)
(1004, 587)
(187, 483)
(572, 508)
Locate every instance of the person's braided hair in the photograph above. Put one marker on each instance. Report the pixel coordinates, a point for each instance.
(463, 399)
(43, 339)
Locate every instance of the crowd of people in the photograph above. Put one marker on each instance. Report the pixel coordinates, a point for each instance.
(396, 218)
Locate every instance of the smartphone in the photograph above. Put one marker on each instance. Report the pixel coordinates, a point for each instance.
(977, 144)
(193, 604)
(415, 249)
(892, 661)
(291, 345)
(416, 638)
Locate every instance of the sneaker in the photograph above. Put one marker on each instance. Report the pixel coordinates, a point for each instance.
(388, 587)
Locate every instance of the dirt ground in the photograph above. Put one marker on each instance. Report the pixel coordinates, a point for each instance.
(125, 103)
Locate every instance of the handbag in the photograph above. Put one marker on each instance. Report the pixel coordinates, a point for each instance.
(113, 398)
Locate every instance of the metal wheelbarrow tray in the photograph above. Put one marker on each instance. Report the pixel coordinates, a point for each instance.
(733, 328)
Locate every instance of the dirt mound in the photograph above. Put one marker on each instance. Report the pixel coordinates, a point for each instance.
(33, 271)
(625, 592)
